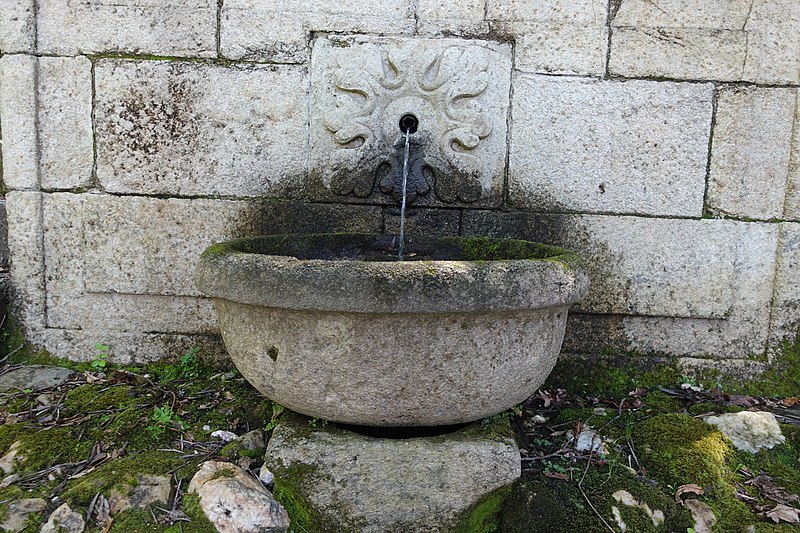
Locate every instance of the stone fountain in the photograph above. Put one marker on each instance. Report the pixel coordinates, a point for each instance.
(393, 362)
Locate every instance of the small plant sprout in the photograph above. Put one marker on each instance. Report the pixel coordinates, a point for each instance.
(100, 359)
(163, 417)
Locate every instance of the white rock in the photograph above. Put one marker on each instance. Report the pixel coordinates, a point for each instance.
(266, 477)
(703, 515)
(626, 498)
(148, 490)
(235, 502)
(64, 520)
(10, 459)
(226, 436)
(749, 431)
(17, 513)
(589, 441)
(539, 419)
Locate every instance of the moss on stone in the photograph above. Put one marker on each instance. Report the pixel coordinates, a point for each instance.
(286, 490)
(123, 471)
(483, 516)
(678, 449)
(190, 505)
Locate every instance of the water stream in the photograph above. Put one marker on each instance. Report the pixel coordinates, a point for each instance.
(403, 203)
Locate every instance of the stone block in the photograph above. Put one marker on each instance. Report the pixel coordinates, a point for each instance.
(429, 222)
(180, 128)
(65, 122)
(300, 217)
(791, 210)
(3, 234)
(609, 147)
(560, 49)
(269, 30)
(362, 86)
(17, 26)
(82, 232)
(688, 54)
(138, 245)
(128, 347)
(773, 41)
(73, 305)
(184, 29)
(357, 482)
(18, 116)
(718, 40)
(739, 334)
(786, 303)
(24, 209)
(554, 36)
(639, 266)
(556, 11)
(459, 17)
(750, 152)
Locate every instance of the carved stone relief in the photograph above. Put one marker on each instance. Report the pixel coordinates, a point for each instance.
(457, 89)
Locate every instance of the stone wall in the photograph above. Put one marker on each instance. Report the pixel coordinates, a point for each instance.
(658, 139)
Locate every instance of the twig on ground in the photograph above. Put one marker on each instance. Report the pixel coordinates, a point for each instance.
(586, 497)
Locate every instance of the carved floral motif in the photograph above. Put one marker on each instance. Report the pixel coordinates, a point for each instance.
(444, 87)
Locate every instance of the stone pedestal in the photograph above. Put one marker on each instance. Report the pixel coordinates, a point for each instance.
(339, 480)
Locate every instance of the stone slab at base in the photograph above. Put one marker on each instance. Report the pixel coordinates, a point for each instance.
(352, 482)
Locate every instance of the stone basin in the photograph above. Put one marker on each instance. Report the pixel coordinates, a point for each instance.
(334, 326)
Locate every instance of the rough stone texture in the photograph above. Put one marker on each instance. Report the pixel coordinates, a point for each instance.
(18, 114)
(3, 235)
(11, 457)
(270, 30)
(634, 267)
(179, 128)
(361, 483)
(128, 347)
(34, 377)
(722, 40)
(65, 122)
(554, 36)
(786, 302)
(17, 26)
(17, 513)
(162, 239)
(64, 520)
(447, 17)
(25, 235)
(186, 28)
(750, 152)
(673, 256)
(420, 336)
(792, 205)
(749, 431)
(457, 88)
(597, 146)
(148, 490)
(235, 502)
(429, 222)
